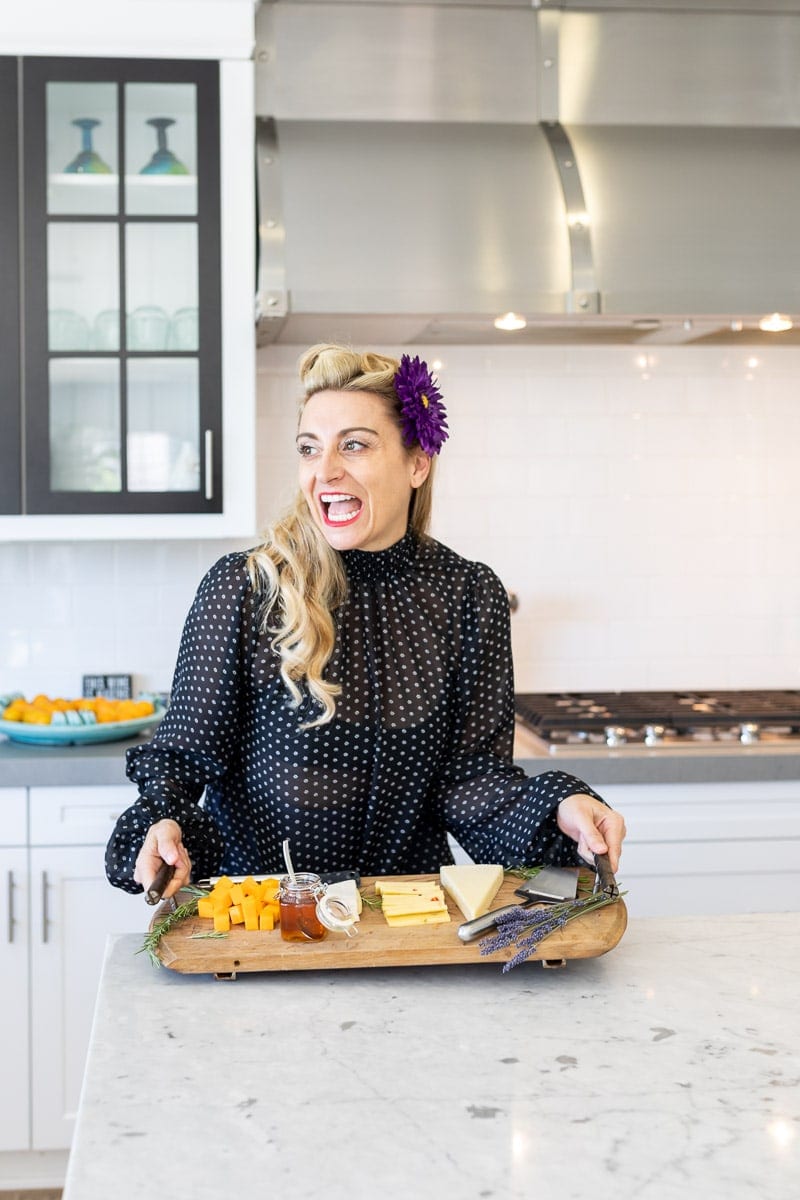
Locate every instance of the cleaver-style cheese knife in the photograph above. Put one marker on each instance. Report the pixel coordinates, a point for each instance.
(549, 886)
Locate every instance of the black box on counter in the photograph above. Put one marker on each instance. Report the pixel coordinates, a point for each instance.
(113, 687)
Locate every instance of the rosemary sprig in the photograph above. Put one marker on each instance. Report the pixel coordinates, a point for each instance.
(373, 902)
(521, 872)
(168, 922)
(213, 933)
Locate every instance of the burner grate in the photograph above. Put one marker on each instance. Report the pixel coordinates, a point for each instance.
(547, 712)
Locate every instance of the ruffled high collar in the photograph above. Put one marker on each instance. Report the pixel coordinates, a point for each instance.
(374, 566)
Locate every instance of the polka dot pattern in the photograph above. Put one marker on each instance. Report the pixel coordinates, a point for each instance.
(421, 743)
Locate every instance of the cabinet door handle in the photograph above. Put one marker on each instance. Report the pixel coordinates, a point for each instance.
(11, 921)
(45, 916)
(209, 457)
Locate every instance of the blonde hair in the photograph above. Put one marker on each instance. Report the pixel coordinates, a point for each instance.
(301, 576)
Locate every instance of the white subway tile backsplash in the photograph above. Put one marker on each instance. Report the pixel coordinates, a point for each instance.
(641, 501)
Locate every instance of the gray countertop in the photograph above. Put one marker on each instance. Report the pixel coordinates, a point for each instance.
(104, 763)
(667, 1068)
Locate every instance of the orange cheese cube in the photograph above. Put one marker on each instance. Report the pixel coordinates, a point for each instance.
(224, 883)
(205, 907)
(237, 893)
(222, 922)
(266, 919)
(236, 914)
(250, 912)
(250, 887)
(269, 889)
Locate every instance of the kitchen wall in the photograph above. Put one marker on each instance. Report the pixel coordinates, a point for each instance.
(642, 503)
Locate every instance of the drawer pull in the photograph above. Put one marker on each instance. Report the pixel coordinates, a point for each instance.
(11, 921)
(45, 916)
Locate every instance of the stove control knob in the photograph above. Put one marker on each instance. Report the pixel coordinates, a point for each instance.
(653, 735)
(748, 733)
(615, 735)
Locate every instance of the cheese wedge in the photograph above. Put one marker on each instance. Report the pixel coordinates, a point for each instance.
(472, 886)
(434, 918)
(347, 892)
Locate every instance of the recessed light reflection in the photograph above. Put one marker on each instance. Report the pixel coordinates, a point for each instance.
(437, 365)
(510, 321)
(782, 1133)
(753, 362)
(650, 994)
(775, 323)
(520, 1145)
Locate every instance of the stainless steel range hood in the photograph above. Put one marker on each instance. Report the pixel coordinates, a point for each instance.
(610, 173)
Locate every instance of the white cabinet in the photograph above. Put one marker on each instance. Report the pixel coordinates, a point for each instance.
(73, 909)
(703, 848)
(15, 1023)
(63, 910)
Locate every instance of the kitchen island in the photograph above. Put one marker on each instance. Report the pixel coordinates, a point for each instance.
(667, 1068)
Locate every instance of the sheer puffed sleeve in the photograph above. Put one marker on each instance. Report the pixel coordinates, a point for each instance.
(194, 742)
(493, 809)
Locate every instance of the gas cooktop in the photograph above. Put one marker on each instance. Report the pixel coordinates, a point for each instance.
(568, 721)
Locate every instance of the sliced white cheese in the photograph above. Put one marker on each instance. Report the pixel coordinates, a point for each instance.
(403, 887)
(432, 918)
(472, 886)
(413, 904)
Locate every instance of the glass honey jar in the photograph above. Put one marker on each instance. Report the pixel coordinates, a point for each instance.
(298, 896)
(307, 913)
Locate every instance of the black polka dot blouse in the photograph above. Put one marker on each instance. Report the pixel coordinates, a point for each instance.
(421, 743)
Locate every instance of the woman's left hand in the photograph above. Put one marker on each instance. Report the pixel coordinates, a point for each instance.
(596, 828)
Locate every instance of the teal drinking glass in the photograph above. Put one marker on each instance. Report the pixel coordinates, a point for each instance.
(163, 161)
(88, 161)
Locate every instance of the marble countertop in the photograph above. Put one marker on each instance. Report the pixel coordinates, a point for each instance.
(669, 1068)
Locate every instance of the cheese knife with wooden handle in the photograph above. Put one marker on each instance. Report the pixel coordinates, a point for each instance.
(163, 877)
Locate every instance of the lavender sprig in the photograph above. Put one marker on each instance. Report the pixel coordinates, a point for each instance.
(528, 927)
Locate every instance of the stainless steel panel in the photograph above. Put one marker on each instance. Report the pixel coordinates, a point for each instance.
(693, 220)
(408, 62)
(679, 68)
(421, 218)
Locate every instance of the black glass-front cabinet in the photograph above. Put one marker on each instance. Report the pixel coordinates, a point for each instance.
(10, 410)
(116, 330)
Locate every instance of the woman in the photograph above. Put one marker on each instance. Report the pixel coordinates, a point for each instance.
(348, 684)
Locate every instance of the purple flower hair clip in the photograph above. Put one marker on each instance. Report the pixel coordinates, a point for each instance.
(423, 415)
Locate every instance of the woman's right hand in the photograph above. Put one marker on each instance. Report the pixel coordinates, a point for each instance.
(163, 841)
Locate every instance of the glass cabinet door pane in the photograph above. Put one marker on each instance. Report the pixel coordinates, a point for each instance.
(84, 425)
(82, 154)
(161, 285)
(83, 285)
(161, 149)
(163, 425)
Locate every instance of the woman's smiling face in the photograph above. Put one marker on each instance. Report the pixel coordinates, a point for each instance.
(355, 472)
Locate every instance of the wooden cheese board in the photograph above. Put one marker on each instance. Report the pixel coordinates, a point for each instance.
(378, 945)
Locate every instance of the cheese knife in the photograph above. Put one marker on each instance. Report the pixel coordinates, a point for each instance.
(548, 886)
(163, 876)
(605, 881)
